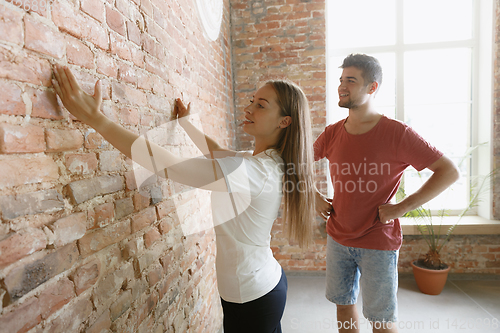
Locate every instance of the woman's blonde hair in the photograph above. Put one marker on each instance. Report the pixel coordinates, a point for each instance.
(295, 146)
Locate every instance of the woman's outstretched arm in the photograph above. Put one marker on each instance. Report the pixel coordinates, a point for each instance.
(201, 173)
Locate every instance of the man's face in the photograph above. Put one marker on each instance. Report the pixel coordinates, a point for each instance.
(353, 92)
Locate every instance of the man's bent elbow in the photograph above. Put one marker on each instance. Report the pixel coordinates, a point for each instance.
(446, 169)
(454, 173)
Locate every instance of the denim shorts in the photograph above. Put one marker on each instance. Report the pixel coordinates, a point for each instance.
(376, 271)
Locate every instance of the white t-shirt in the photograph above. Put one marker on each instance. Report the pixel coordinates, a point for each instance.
(243, 218)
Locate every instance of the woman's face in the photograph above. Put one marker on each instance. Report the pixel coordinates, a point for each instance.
(263, 116)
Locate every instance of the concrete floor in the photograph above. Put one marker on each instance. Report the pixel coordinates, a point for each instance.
(467, 304)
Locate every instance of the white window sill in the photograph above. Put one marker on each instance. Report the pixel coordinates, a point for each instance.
(469, 225)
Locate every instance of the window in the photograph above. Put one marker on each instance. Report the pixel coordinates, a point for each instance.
(431, 54)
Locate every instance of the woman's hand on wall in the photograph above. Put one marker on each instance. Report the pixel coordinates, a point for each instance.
(180, 109)
(84, 107)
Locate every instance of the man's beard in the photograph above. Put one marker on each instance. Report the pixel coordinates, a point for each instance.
(348, 105)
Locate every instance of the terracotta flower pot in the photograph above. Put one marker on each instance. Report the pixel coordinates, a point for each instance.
(430, 281)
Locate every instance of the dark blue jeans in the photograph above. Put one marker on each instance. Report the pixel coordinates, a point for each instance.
(262, 315)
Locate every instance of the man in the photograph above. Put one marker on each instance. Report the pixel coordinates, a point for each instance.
(368, 153)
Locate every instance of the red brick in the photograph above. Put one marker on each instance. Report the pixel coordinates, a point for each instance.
(72, 318)
(16, 205)
(173, 19)
(44, 104)
(488, 256)
(166, 225)
(145, 82)
(87, 81)
(164, 8)
(143, 219)
(156, 67)
(141, 200)
(112, 283)
(86, 276)
(130, 181)
(144, 309)
(29, 311)
(151, 236)
(494, 249)
(79, 53)
(111, 112)
(25, 278)
(110, 161)
(81, 164)
(120, 46)
(94, 140)
(147, 7)
(115, 20)
(23, 171)
(147, 120)
(54, 297)
(167, 260)
(102, 324)
(85, 189)
(107, 65)
(63, 140)
(125, 7)
(11, 102)
(188, 260)
(129, 116)
(121, 305)
(241, 6)
(165, 285)
(165, 208)
(94, 8)
(137, 55)
(154, 276)
(21, 139)
(21, 244)
(104, 213)
(24, 68)
(123, 207)
(157, 101)
(160, 18)
(79, 26)
(133, 248)
(101, 238)
(42, 38)
(134, 33)
(315, 52)
(122, 93)
(69, 228)
(152, 47)
(298, 16)
(11, 27)
(127, 74)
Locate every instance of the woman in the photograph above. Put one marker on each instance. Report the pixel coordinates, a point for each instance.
(251, 283)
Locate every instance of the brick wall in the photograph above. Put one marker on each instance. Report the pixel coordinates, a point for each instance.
(275, 39)
(82, 249)
(478, 254)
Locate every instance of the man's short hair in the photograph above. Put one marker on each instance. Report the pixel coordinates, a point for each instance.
(370, 67)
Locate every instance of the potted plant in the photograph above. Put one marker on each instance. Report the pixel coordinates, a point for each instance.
(429, 270)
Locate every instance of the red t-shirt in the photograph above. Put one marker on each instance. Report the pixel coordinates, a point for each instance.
(366, 170)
